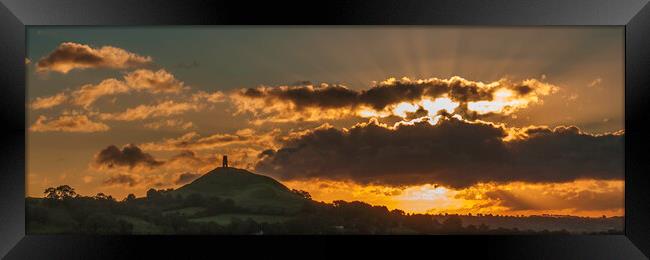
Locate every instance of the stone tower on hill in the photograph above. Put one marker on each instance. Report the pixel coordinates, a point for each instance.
(225, 161)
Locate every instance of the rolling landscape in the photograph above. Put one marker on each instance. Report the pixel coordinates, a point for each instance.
(236, 201)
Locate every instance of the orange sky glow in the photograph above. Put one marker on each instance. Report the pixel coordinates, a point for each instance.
(509, 121)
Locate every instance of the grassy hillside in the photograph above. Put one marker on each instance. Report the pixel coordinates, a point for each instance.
(246, 189)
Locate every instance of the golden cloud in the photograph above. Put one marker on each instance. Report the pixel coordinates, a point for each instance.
(170, 124)
(154, 82)
(68, 123)
(87, 94)
(166, 108)
(48, 102)
(194, 141)
(69, 55)
(214, 97)
(159, 81)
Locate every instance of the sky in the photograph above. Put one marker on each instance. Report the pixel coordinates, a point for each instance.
(501, 120)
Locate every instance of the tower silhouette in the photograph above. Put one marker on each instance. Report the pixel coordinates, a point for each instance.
(225, 161)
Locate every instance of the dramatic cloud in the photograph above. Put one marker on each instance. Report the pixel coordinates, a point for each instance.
(166, 108)
(129, 156)
(451, 152)
(48, 102)
(70, 55)
(389, 98)
(187, 178)
(194, 141)
(68, 123)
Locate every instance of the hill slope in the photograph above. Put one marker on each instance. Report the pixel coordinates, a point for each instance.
(246, 189)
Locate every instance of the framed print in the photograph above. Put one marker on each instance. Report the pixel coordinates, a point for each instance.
(510, 129)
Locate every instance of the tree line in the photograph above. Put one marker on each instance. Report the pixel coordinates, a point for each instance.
(62, 210)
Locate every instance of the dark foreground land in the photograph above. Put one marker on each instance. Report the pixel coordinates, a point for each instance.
(234, 201)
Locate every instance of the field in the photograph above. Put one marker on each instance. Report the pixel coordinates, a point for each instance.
(225, 219)
(140, 226)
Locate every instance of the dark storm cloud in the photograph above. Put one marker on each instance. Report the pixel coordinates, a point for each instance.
(380, 96)
(454, 153)
(187, 177)
(121, 179)
(387, 93)
(330, 96)
(130, 156)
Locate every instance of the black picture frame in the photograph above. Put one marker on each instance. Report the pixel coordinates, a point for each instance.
(634, 15)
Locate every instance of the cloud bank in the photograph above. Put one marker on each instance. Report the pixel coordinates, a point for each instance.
(453, 152)
(393, 97)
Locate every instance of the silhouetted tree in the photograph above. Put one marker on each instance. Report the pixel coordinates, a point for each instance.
(60, 193)
(164, 214)
(66, 192)
(50, 193)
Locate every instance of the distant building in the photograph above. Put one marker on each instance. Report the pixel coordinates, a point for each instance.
(225, 161)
